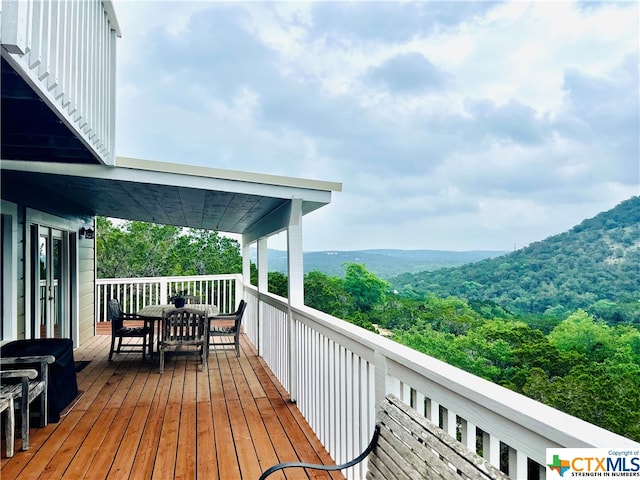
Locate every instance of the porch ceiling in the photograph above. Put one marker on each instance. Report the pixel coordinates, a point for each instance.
(189, 196)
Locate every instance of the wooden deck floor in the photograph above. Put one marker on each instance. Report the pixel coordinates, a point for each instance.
(231, 422)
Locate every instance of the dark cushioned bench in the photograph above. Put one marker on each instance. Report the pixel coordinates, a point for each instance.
(63, 386)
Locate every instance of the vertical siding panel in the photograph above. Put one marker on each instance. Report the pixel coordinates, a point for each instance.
(86, 291)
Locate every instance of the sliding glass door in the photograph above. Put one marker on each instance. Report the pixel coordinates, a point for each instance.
(51, 284)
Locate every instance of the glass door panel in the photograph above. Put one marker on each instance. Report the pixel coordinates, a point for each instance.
(43, 294)
(52, 284)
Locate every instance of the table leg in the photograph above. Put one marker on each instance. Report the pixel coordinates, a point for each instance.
(151, 324)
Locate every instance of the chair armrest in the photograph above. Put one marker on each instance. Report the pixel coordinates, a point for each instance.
(32, 359)
(29, 373)
(43, 360)
(24, 374)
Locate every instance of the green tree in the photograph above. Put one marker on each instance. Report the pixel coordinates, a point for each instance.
(327, 294)
(605, 394)
(582, 334)
(206, 252)
(111, 250)
(140, 249)
(278, 284)
(365, 288)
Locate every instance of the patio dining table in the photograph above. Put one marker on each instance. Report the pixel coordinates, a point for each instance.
(154, 313)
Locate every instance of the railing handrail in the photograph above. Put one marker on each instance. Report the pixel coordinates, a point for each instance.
(177, 278)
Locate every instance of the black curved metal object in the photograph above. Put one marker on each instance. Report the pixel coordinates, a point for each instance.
(350, 463)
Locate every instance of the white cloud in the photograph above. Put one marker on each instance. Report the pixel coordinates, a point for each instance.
(458, 125)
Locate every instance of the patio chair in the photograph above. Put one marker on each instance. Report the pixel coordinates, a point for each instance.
(192, 299)
(120, 331)
(6, 405)
(226, 325)
(184, 330)
(24, 385)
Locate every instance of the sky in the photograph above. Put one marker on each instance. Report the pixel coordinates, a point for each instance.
(451, 125)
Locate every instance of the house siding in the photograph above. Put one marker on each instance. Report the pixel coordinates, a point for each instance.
(86, 290)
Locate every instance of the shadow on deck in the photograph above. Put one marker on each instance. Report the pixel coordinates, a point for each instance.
(231, 422)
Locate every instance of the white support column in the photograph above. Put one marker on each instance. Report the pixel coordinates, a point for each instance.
(296, 288)
(295, 254)
(240, 293)
(263, 283)
(246, 265)
(164, 287)
(263, 266)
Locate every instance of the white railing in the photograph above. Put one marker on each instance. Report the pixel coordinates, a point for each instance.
(135, 293)
(338, 372)
(66, 52)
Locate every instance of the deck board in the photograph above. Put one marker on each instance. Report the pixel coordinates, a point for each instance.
(230, 422)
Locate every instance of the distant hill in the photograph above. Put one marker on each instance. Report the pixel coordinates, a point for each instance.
(599, 259)
(385, 263)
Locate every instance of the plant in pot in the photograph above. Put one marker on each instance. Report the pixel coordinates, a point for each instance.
(178, 299)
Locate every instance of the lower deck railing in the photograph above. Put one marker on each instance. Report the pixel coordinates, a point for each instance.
(337, 373)
(135, 293)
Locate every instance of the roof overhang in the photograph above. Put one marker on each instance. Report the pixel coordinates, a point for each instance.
(254, 205)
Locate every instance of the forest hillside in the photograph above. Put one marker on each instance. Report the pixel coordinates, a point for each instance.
(597, 260)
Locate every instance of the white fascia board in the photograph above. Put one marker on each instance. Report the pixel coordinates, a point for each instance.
(219, 173)
(185, 178)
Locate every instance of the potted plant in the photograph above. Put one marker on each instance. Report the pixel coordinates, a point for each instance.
(178, 299)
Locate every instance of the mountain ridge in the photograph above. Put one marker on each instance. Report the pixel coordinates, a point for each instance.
(596, 260)
(383, 262)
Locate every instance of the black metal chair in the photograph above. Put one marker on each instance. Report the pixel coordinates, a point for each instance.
(184, 330)
(225, 325)
(120, 331)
